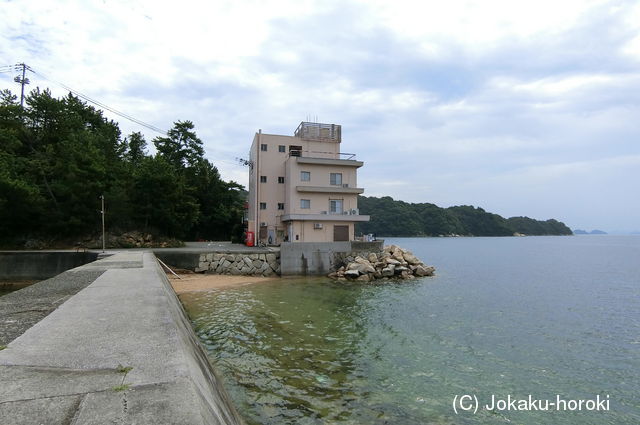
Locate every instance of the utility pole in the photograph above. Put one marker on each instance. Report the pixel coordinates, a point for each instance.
(22, 81)
(103, 233)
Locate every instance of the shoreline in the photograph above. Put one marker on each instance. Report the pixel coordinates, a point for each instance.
(194, 282)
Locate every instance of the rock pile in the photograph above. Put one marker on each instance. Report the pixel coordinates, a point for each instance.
(392, 263)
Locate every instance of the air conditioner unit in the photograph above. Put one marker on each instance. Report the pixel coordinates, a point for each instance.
(323, 212)
(317, 225)
(355, 211)
(263, 224)
(345, 212)
(345, 185)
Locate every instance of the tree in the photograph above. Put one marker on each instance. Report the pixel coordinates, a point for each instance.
(159, 194)
(182, 148)
(135, 148)
(57, 156)
(398, 218)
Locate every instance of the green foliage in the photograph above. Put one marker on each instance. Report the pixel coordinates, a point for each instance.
(398, 218)
(529, 226)
(57, 156)
(182, 148)
(120, 388)
(124, 369)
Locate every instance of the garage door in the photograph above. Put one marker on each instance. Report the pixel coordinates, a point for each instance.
(340, 233)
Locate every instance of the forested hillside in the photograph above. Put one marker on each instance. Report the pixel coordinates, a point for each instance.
(57, 156)
(399, 218)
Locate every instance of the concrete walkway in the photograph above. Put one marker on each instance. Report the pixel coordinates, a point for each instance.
(120, 351)
(22, 309)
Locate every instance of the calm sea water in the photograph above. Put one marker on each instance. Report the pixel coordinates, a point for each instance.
(546, 316)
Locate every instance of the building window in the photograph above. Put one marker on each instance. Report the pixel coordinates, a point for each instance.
(282, 148)
(263, 179)
(280, 206)
(335, 206)
(263, 205)
(335, 179)
(280, 179)
(305, 204)
(263, 147)
(295, 150)
(305, 176)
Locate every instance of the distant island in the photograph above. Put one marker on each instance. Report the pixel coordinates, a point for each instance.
(398, 218)
(593, 232)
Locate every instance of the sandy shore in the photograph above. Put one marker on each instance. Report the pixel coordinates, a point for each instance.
(204, 282)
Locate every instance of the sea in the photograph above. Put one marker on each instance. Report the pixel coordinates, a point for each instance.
(512, 330)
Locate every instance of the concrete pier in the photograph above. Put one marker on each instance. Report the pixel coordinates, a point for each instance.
(119, 351)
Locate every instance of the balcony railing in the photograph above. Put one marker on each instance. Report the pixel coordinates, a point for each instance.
(321, 154)
(318, 131)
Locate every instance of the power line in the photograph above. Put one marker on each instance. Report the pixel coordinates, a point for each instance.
(24, 67)
(93, 101)
(102, 105)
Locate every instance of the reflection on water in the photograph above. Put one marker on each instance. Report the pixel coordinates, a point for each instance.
(7, 286)
(511, 318)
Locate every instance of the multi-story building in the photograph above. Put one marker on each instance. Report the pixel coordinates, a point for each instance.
(302, 188)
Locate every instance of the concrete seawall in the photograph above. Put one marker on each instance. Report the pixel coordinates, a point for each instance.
(320, 258)
(39, 264)
(290, 259)
(119, 351)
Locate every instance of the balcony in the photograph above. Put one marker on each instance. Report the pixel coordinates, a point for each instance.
(330, 189)
(329, 161)
(345, 216)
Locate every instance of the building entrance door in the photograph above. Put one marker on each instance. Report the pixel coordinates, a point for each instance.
(340, 233)
(262, 237)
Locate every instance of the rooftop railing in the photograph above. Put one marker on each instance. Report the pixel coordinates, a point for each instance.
(318, 131)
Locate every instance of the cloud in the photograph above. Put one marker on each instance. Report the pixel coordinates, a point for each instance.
(502, 104)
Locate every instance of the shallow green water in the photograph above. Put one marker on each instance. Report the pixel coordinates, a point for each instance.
(504, 316)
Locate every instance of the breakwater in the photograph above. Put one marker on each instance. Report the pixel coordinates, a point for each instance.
(392, 262)
(121, 350)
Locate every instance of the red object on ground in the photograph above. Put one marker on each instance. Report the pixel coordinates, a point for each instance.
(250, 241)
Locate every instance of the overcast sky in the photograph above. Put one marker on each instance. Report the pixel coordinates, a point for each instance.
(520, 107)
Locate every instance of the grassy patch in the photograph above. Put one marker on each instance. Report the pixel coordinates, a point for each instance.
(2, 347)
(119, 388)
(124, 369)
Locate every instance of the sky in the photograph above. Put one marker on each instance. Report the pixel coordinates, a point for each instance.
(520, 107)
